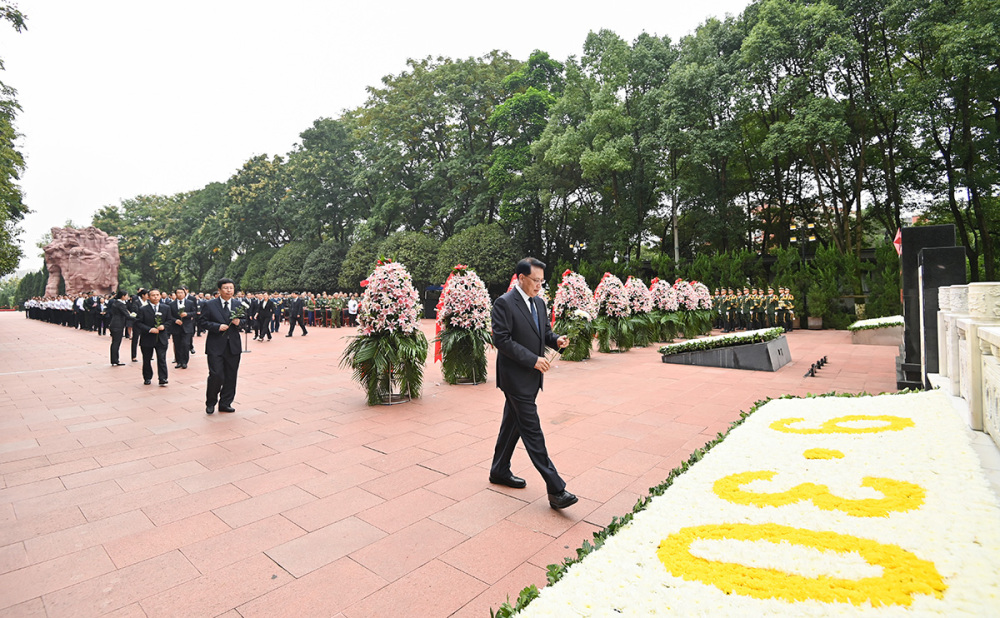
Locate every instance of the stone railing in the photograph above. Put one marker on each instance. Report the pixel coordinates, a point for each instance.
(969, 349)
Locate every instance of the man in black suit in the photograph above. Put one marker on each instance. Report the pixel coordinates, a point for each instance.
(118, 318)
(182, 328)
(520, 334)
(222, 346)
(265, 311)
(151, 322)
(296, 309)
(137, 303)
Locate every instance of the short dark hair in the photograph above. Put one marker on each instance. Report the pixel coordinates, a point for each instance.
(224, 281)
(525, 265)
(120, 294)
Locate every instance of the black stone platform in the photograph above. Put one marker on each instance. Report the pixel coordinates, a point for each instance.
(767, 356)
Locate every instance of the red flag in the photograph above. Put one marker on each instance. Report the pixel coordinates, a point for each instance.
(437, 344)
(898, 241)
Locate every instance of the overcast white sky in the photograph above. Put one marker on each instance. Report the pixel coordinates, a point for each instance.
(129, 97)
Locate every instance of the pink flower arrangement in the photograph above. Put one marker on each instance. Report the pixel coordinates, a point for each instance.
(390, 303)
(664, 296)
(464, 303)
(703, 295)
(686, 297)
(639, 298)
(574, 300)
(610, 297)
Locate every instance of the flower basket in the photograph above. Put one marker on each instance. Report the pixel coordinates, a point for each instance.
(574, 309)
(666, 319)
(463, 320)
(613, 325)
(645, 331)
(388, 355)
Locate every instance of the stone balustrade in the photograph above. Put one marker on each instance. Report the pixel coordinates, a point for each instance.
(969, 349)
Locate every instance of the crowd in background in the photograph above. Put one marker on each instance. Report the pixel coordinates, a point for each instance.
(115, 314)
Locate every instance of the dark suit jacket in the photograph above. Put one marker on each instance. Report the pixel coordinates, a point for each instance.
(265, 310)
(119, 314)
(146, 319)
(190, 307)
(519, 343)
(295, 307)
(217, 341)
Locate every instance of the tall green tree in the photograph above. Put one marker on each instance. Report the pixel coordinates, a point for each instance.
(12, 207)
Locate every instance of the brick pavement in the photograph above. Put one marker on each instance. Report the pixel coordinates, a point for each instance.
(128, 500)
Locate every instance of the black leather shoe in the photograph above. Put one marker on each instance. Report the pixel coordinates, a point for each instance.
(163, 382)
(183, 366)
(147, 382)
(226, 409)
(288, 335)
(562, 499)
(209, 409)
(511, 481)
(135, 360)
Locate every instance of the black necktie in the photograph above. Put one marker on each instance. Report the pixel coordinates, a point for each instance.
(534, 316)
(225, 308)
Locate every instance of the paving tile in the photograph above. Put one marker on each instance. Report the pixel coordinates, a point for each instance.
(277, 479)
(565, 545)
(217, 592)
(335, 482)
(408, 549)
(398, 513)
(128, 550)
(400, 482)
(32, 608)
(185, 506)
(321, 547)
(44, 577)
(323, 592)
(70, 540)
(478, 512)
(13, 557)
(435, 589)
(122, 588)
(215, 478)
(41, 524)
(130, 501)
(160, 475)
(496, 551)
(258, 507)
(106, 473)
(235, 545)
(320, 513)
(505, 590)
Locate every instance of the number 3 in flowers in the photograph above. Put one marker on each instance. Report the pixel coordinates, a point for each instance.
(903, 573)
(899, 496)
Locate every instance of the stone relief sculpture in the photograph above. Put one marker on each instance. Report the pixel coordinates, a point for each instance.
(86, 259)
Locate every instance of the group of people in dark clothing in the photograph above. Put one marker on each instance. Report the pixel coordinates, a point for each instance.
(752, 309)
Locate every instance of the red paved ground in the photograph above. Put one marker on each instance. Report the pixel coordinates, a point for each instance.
(128, 500)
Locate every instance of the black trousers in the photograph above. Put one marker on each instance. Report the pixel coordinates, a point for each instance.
(263, 328)
(161, 362)
(293, 321)
(116, 344)
(222, 372)
(520, 421)
(135, 342)
(182, 348)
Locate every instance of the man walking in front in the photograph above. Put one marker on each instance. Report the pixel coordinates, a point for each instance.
(520, 335)
(296, 309)
(151, 322)
(219, 317)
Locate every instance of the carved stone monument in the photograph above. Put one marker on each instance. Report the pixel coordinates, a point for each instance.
(86, 259)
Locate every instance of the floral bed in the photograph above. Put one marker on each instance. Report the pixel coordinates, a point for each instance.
(871, 506)
(874, 323)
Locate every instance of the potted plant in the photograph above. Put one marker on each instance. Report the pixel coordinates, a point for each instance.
(816, 301)
(575, 309)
